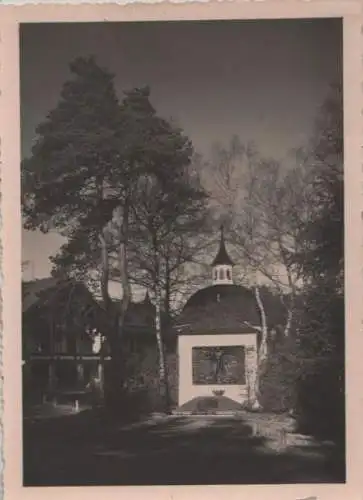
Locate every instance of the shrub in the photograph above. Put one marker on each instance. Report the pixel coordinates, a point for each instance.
(278, 383)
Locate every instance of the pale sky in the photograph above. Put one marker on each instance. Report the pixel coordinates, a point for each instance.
(261, 80)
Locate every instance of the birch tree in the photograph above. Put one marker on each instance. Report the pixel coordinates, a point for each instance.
(264, 208)
(169, 210)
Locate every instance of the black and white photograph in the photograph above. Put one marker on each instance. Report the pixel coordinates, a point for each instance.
(183, 258)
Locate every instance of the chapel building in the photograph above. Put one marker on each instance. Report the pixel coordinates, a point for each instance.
(217, 340)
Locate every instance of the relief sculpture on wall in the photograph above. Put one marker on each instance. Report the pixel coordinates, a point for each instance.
(219, 365)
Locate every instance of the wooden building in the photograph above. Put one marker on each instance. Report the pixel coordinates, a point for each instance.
(65, 352)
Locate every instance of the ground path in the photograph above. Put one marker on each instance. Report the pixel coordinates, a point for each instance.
(86, 449)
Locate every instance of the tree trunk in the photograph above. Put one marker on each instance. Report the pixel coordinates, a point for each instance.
(109, 380)
(167, 290)
(123, 227)
(163, 377)
(262, 353)
(288, 322)
(105, 271)
(117, 374)
(114, 377)
(291, 300)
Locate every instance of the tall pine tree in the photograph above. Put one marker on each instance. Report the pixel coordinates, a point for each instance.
(83, 179)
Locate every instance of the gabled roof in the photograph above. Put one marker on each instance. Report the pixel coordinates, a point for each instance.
(222, 257)
(47, 292)
(140, 316)
(31, 291)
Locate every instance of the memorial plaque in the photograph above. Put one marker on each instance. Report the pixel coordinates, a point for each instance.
(219, 365)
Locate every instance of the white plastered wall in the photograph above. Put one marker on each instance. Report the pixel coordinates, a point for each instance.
(239, 393)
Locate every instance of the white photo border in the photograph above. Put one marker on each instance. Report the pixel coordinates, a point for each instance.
(10, 18)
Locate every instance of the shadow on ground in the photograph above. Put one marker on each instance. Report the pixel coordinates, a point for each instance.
(90, 449)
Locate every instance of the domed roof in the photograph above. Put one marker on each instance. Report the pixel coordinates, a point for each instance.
(219, 309)
(216, 293)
